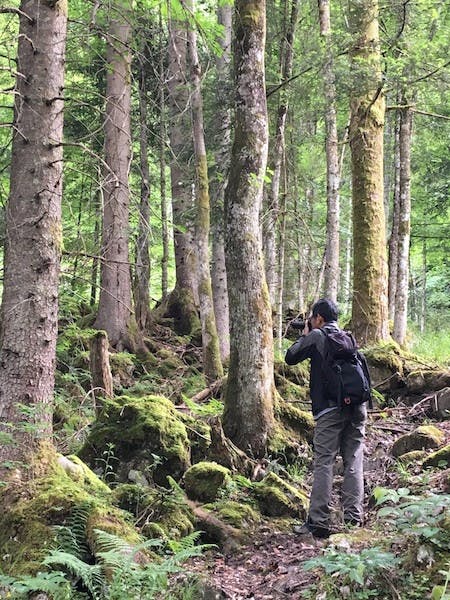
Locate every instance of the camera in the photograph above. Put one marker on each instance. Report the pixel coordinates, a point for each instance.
(300, 324)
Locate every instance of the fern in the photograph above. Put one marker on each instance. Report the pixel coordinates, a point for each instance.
(90, 575)
(55, 584)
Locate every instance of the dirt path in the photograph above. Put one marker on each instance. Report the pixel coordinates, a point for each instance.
(270, 568)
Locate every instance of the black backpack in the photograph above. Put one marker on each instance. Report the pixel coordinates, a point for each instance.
(345, 370)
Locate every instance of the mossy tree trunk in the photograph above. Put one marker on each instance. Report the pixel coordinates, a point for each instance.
(393, 238)
(183, 301)
(248, 414)
(115, 313)
(369, 305)
(219, 177)
(212, 365)
(142, 268)
(29, 308)
(331, 274)
(404, 224)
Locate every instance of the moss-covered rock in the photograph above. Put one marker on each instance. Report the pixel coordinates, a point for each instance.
(385, 365)
(299, 420)
(237, 514)
(278, 498)
(122, 369)
(424, 380)
(135, 431)
(204, 480)
(441, 458)
(413, 457)
(292, 432)
(53, 497)
(422, 438)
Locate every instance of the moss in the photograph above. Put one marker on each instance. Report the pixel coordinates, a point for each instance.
(138, 429)
(204, 480)
(278, 498)
(412, 457)
(385, 354)
(89, 479)
(131, 497)
(422, 438)
(32, 510)
(441, 458)
(300, 420)
(237, 514)
(199, 434)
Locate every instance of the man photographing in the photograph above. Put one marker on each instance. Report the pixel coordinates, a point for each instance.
(340, 414)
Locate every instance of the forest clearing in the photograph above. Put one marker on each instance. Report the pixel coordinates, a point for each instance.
(224, 324)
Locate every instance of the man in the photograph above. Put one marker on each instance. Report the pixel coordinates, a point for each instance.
(338, 429)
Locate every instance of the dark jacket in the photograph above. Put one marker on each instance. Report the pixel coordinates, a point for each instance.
(313, 346)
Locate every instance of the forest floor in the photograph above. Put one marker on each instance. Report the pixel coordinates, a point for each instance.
(270, 566)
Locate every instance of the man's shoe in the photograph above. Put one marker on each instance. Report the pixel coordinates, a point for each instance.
(307, 530)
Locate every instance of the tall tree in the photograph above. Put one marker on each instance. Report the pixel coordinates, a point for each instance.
(331, 145)
(369, 305)
(115, 314)
(212, 365)
(276, 153)
(183, 300)
(248, 414)
(222, 123)
(404, 223)
(29, 308)
(142, 273)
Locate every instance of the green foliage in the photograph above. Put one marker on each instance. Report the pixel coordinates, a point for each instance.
(211, 408)
(121, 570)
(359, 571)
(419, 517)
(55, 584)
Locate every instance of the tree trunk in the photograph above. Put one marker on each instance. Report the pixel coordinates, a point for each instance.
(162, 174)
(331, 273)
(273, 205)
(142, 274)
(218, 182)
(115, 313)
(101, 378)
(404, 225)
(248, 414)
(393, 238)
(369, 306)
(33, 237)
(183, 301)
(212, 366)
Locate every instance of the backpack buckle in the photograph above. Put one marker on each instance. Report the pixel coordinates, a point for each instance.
(347, 400)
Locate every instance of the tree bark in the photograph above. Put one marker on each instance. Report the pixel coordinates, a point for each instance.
(101, 378)
(115, 314)
(212, 365)
(162, 174)
(369, 306)
(404, 225)
(331, 274)
(248, 414)
(273, 204)
(29, 310)
(393, 238)
(142, 273)
(183, 301)
(218, 182)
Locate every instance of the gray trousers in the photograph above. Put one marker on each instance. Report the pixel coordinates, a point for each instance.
(338, 431)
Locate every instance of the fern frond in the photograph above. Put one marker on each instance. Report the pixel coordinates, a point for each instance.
(185, 543)
(54, 584)
(106, 542)
(91, 575)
